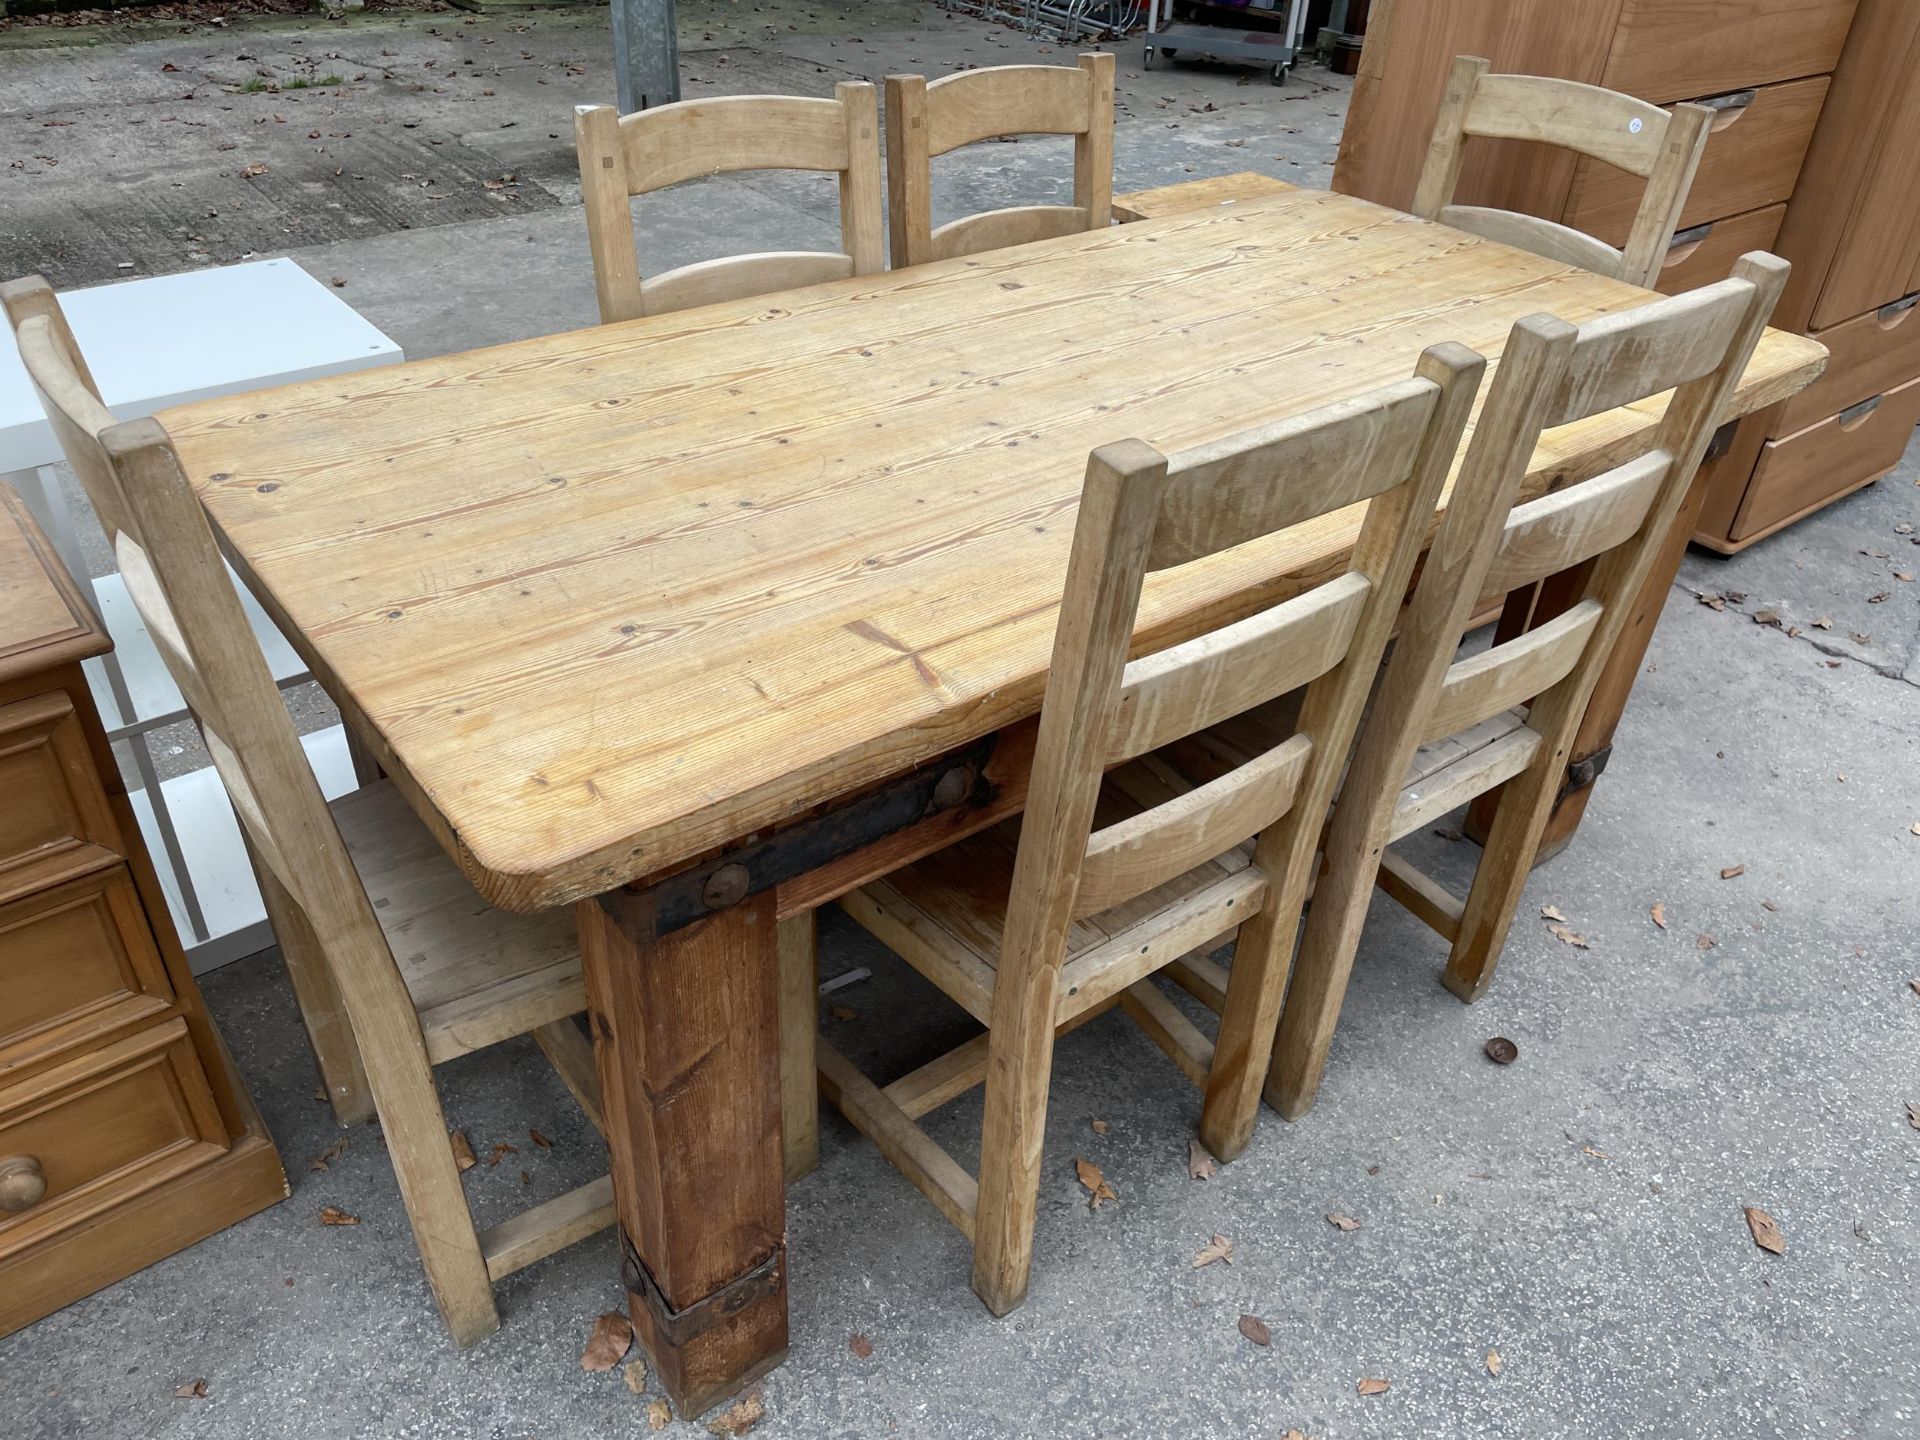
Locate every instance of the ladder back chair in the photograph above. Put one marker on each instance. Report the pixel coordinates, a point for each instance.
(624, 156)
(1661, 148)
(1039, 926)
(925, 120)
(1462, 715)
(395, 962)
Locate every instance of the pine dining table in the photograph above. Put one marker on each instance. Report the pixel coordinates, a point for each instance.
(694, 622)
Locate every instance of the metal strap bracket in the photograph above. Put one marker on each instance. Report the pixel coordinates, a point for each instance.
(1582, 773)
(677, 1327)
(728, 878)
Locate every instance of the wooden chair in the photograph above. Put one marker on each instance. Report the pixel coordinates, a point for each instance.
(925, 120)
(624, 156)
(1042, 925)
(1662, 148)
(396, 963)
(1500, 722)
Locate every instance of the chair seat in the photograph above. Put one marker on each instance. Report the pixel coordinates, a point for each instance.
(478, 975)
(946, 914)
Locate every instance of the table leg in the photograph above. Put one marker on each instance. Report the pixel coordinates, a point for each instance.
(686, 1035)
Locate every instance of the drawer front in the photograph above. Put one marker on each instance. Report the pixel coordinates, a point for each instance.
(1669, 49)
(54, 802)
(100, 1130)
(1752, 159)
(1700, 257)
(75, 960)
(1811, 466)
(1871, 354)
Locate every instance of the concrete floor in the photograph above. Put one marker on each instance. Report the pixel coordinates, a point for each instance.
(1579, 1211)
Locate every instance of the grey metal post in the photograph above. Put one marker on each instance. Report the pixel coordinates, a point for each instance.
(646, 54)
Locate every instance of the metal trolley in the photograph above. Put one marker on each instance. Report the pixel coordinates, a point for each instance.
(1276, 49)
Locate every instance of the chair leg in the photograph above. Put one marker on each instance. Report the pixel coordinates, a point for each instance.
(1525, 803)
(415, 1129)
(1014, 1131)
(318, 994)
(799, 1026)
(1255, 987)
(1321, 970)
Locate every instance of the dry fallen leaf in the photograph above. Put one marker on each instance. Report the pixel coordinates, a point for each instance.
(1704, 941)
(1766, 1231)
(1914, 829)
(463, 1157)
(634, 1372)
(1493, 1362)
(1100, 1127)
(1569, 937)
(332, 1152)
(1825, 622)
(1373, 1387)
(500, 1151)
(192, 1390)
(1552, 912)
(739, 1417)
(1294, 1435)
(612, 1337)
(1255, 1329)
(1596, 1154)
(334, 1215)
(1732, 872)
(1200, 1164)
(1345, 1224)
(1913, 1113)
(540, 1140)
(1768, 905)
(253, 170)
(1097, 1188)
(861, 1346)
(659, 1416)
(1659, 914)
(843, 1012)
(1218, 1248)
(1501, 1051)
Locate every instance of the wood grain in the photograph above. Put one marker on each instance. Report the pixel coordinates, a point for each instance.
(604, 600)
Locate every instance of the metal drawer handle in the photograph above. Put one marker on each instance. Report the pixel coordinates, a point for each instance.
(1684, 243)
(22, 1183)
(1894, 312)
(1731, 106)
(1854, 415)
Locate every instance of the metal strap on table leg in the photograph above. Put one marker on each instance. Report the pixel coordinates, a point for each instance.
(727, 879)
(677, 1327)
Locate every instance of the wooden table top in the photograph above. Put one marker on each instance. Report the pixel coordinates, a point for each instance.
(605, 600)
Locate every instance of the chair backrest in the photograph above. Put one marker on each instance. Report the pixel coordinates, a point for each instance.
(624, 156)
(1662, 148)
(925, 120)
(1143, 511)
(1608, 528)
(179, 583)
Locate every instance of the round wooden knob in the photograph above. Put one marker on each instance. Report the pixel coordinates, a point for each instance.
(21, 1183)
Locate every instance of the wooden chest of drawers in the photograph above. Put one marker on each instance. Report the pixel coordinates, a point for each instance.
(124, 1133)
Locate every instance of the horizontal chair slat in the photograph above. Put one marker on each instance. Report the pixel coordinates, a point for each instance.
(1188, 687)
(1513, 673)
(1134, 855)
(1558, 531)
